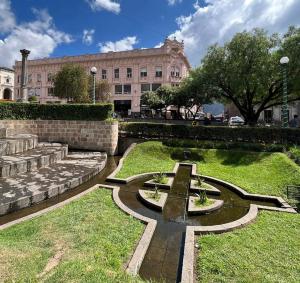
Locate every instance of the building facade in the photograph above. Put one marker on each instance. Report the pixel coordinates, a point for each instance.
(6, 83)
(129, 73)
(268, 116)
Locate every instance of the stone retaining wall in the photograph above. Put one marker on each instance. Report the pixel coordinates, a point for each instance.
(90, 135)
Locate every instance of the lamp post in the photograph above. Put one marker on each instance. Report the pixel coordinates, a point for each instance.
(93, 73)
(285, 119)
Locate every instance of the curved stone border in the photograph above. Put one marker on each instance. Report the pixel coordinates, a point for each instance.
(111, 177)
(211, 190)
(142, 247)
(166, 186)
(137, 258)
(158, 205)
(285, 206)
(194, 209)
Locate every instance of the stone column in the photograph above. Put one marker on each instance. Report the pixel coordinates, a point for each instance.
(24, 91)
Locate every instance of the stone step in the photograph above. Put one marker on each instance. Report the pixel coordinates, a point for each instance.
(17, 144)
(43, 155)
(30, 188)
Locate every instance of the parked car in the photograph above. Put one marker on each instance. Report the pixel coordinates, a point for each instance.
(236, 121)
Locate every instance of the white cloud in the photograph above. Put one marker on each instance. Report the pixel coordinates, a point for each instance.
(88, 36)
(173, 2)
(41, 37)
(109, 5)
(219, 20)
(7, 18)
(124, 44)
(159, 45)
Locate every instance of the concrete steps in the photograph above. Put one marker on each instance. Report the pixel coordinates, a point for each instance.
(42, 155)
(17, 144)
(24, 190)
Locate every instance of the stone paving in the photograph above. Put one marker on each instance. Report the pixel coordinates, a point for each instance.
(26, 189)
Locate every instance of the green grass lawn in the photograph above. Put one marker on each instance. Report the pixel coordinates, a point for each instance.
(91, 237)
(266, 251)
(256, 172)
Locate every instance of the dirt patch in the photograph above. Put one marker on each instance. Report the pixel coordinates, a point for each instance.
(53, 261)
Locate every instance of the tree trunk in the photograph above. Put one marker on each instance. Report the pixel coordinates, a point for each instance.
(251, 118)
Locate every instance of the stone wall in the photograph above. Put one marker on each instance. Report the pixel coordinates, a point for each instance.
(90, 135)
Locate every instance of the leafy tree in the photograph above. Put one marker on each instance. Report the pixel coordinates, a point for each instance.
(102, 90)
(152, 100)
(246, 71)
(72, 83)
(192, 93)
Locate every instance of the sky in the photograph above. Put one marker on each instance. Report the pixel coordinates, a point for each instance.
(53, 28)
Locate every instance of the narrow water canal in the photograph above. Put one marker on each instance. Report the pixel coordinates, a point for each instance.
(163, 260)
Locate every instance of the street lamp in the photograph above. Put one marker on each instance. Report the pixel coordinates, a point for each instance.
(93, 73)
(285, 115)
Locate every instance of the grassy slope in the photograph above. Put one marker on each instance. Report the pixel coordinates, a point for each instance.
(267, 251)
(94, 247)
(264, 173)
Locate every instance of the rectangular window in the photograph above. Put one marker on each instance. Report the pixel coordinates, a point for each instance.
(158, 72)
(143, 72)
(177, 72)
(117, 73)
(155, 86)
(173, 72)
(118, 89)
(268, 114)
(39, 78)
(49, 77)
(145, 87)
(104, 74)
(18, 78)
(30, 78)
(50, 91)
(127, 89)
(129, 73)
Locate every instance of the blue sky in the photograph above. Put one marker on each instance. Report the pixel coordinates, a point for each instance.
(68, 27)
(149, 20)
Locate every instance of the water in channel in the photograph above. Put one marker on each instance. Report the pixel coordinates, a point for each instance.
(163, 259)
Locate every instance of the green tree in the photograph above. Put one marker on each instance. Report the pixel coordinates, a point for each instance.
(102, 90)
(192, 93)
(246, 71)
(152, 100)
(72, 83)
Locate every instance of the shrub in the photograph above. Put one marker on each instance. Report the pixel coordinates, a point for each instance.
(32, 99)
(26, 111)
(160, 178)
(225, 134)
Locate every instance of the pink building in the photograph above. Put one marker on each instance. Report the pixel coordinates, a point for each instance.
(130, 73)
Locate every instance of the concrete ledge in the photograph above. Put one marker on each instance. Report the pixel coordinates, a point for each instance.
(142, 247)
(256, 197)
(211, 190)
(158, 205)
(153, 184)
(194, 209)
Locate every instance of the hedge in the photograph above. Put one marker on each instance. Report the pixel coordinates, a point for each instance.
(240, 134)
(26, 111)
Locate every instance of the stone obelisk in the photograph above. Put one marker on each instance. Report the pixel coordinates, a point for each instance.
(24, 91)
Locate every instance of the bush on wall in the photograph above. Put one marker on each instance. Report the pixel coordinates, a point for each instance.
(226, 134)
(26, 111)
